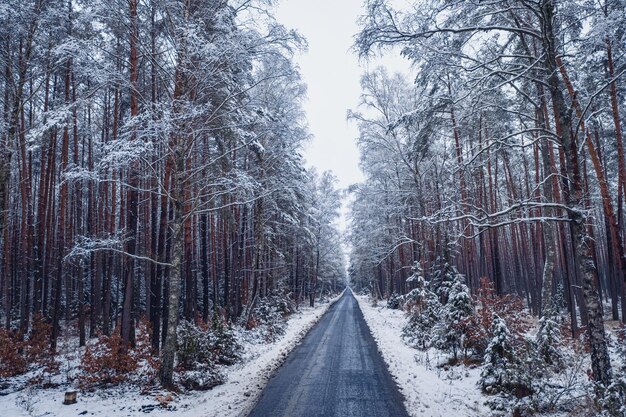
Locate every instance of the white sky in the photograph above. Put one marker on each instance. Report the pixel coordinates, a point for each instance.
(332, 74)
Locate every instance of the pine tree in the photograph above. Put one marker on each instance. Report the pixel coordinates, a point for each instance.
(499, 364)
(450, 331)
(425, 311)
(548, 339)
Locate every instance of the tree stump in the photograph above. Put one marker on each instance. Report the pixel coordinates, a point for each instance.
(70, 397)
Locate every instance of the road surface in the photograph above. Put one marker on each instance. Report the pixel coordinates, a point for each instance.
(335, 371)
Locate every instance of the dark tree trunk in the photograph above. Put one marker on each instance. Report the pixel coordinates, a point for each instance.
(600, 360)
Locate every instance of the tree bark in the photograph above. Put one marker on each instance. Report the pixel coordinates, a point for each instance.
(614, 242)
(133, 182)
(600, 360)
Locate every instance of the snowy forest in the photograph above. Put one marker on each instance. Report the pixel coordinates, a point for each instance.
(498, 170)
(161, 233)
(151, 171)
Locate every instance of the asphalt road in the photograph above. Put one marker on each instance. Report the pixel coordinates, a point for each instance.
(335, 371)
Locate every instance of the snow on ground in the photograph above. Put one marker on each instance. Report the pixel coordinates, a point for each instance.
(244, 385)
(234, 398)
(429, 390)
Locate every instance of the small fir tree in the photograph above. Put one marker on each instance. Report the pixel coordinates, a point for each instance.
(451, 330)
(499, 365)
(424, 315)
(548, 339)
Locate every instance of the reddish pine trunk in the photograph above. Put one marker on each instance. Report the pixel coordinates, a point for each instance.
(614, 242)
(62, 226)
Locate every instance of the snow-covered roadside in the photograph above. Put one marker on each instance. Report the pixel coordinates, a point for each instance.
(234, 398)
(429, 390)
(239, 394)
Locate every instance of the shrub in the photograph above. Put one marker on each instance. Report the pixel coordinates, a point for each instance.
(38, 346)
(201, 349)
(395, 301)
(107, 361)
(438, 318)
(110, 361)
(192, 347)
(424, 314)
(196, 358)
(478, 327)
(203, 378)
(12, 361)
(269, 315)
(450, 332)
(500, 373)
(424, 311)
(18, 354)
(443, 276)
(612, 399)
(37, 350)
(224, 343)
(549, 339)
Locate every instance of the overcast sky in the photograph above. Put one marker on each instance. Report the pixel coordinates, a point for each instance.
(332, 74)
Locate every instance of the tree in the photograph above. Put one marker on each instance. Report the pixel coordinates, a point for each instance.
(512, 198)
(499, 372)
(154, 169)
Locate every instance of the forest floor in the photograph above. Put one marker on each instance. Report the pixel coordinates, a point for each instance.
(244, 383)
(434, 388)
(429, 388)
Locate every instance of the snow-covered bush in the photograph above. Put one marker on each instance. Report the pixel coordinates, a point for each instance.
(201, 349)
(450, 332)
(269, 315)
(510, 308)
(417, 275)
(413, 299)
(438, 317)
(500, 365)
(443, 276)
(612, 399)
(549, 340)
(224, 343)
(423, 309)
(536, 388)
(550, 375)
(424, 313)
(194, 346)
(196, 365)
(395, 301)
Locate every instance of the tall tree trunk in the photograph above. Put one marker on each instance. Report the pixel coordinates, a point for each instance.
(548, 227)
(176, 164)
(62, 223)
(619, 138)
(469, 249)
(7, 146)
(168, 352)
(600, 360)
(614, 242)
(204, 265)
(133, 183)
